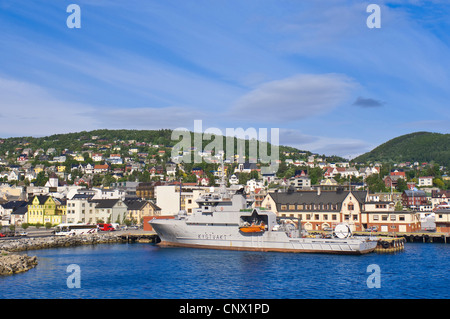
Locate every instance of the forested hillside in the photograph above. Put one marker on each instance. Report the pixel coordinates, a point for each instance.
(419, 146)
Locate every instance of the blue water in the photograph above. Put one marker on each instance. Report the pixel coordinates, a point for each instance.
(137, 271)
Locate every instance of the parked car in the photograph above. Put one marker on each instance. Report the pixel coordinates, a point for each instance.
(105, 227)
(2, 235)
(372, 229)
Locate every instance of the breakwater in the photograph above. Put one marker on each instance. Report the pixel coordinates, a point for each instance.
(12, 263)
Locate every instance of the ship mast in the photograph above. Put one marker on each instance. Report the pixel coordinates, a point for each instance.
(222, 183)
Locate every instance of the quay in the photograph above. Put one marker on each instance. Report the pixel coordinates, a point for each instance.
(140, 237)
(413, 237)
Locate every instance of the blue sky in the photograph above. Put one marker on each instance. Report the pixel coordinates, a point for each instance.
(313, 69)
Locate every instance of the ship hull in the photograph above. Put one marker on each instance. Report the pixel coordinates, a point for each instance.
(178, 233)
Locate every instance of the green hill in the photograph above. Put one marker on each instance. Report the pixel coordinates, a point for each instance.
(419, 146)
(79, 141)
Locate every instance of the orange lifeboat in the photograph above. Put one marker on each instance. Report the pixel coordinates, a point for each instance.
(253, 228)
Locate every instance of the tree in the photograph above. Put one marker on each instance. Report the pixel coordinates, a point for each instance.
(375, 183)
(41, 179)
(401, 185)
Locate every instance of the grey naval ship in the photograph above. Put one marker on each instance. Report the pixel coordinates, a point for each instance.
(225, 220)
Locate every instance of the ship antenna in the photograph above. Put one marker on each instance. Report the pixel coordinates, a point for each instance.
(222, 181)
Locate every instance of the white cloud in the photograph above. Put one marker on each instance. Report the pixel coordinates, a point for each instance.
(294, 98)
(345, 147)
(28, 109)
(147, 118)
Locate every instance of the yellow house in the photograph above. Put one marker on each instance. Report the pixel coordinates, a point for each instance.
(44, 209)
(38, 169)
(79, 158)
(61, 168)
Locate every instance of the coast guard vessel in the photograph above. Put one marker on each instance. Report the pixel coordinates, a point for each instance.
(225, 220)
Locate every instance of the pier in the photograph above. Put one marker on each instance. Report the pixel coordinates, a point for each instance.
(413, 237)
(140, 237)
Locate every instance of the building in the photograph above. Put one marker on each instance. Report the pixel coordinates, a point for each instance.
(138, 209)
(84, 208)
(320, 210)
(80, 209)
(425, 181)
(146, 190)
(168, 199)
(414, 198)
(385, 218)
(8, 209)
(439, 197)
(109, 210)
(44, 209)
(442, 219)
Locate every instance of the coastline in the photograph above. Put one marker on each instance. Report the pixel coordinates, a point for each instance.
(13, 263)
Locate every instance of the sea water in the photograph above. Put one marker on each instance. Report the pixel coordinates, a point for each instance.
(145, 271)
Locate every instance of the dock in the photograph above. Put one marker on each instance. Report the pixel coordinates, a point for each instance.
(140, 237)
(416, 237)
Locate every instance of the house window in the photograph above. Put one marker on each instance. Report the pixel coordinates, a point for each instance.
(291, 207)
(325, 217)
(393, 217)
(300, 207)
(283, 207)
(384, 217)
(308, 216)
(355, 217)
(351, 207)
(375, 217)
(346, 217)
(316, 216)
(401, 217)
(334, 217)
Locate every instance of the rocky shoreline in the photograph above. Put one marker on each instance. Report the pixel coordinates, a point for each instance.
(11, 263)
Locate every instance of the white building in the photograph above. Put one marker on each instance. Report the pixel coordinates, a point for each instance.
(425, 181)
(168, 199)
(252, 185)
(82, 208)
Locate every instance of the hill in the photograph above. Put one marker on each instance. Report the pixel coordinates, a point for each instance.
(81, 141)
(419, 146)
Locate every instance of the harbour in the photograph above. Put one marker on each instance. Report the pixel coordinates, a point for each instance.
(146, 271)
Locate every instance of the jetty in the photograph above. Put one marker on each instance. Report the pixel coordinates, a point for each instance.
(140, 237)
(412, 237)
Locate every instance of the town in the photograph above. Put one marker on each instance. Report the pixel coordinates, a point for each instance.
(99, 180)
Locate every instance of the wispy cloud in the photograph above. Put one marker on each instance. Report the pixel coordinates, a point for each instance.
(27, 109)
(294, 98)
(345, 147)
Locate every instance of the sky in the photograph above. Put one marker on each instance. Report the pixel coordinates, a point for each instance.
(312, 69)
